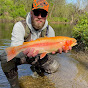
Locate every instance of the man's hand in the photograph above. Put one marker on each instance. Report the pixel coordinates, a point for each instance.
(69, 48)
(62, 50)
(31, 52)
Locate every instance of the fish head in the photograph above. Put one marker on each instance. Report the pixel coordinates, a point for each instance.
(73, 42)
(69, 42)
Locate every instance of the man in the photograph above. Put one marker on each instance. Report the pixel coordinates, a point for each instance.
(33, 27)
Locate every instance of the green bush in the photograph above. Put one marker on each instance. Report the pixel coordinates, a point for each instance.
(13, 10)
(80, 31)
(58, 19)
(16, 11)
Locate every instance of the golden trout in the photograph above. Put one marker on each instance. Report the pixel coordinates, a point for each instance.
(44, 45)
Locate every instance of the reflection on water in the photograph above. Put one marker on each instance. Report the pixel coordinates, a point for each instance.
(4, 43)
(5, 30)
(62, 30)
(71, 74)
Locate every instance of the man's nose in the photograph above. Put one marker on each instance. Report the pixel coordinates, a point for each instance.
(39, 16)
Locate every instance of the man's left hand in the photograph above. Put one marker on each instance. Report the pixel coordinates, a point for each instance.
(62, 50)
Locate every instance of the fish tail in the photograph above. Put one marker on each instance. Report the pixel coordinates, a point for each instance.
(11, 52)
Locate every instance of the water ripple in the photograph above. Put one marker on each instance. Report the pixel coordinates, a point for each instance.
(4, 43)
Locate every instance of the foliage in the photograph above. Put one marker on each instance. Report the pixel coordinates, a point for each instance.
(8, 8)
(80, 31)
(58, 9)
(57, 19)
(19, 8)
(16, 11)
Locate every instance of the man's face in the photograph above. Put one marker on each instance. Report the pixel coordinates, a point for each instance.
(38, 18)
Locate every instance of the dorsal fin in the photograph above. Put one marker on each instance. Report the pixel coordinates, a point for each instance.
(25, 43)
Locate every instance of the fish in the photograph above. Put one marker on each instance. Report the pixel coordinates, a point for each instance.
(44, 45)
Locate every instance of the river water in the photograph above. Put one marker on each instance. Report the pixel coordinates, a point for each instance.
(71, 73)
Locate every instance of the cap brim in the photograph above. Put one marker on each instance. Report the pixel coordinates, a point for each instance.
(39, 8)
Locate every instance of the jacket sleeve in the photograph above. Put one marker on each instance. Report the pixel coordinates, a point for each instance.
(17, 34)
(51, 32)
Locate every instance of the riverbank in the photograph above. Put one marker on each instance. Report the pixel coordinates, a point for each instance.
(81, 56)
(5, 20)
(58, 22)
(54, 20)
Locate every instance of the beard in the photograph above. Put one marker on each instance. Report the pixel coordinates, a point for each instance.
(36, 25)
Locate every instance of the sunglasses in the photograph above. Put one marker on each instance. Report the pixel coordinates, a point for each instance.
(37, 12)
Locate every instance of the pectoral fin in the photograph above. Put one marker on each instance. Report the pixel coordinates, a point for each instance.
(43, 55)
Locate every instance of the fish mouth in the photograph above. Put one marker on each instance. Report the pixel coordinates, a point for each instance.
(74, 44)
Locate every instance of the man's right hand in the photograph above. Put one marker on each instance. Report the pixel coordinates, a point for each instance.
(31, 52)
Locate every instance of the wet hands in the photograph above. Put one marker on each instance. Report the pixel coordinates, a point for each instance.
(69, 49)
(31, 52)
(62, 50)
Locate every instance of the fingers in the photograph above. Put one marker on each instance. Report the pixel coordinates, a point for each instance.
(26, 51)
(66, 50)
(58, 51)
(70, 47)
(63, 49)
(53, 52)
(35, 53)
(31, 52)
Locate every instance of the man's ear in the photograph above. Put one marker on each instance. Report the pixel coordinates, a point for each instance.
(46, 15)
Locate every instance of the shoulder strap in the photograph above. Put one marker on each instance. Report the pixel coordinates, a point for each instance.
(27, 36)
(45, 32)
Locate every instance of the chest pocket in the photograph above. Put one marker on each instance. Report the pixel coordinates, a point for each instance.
(28, 32)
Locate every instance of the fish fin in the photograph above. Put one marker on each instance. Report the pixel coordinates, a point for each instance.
(66, 45)
(11, 52)
(43, 55)
(45, 36)
(25, 43)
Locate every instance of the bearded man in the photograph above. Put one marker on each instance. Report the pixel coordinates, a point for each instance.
(35, 26)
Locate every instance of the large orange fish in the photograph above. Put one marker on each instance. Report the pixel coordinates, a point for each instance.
(44, 45)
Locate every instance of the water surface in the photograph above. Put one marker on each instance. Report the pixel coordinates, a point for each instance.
(71, 73)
